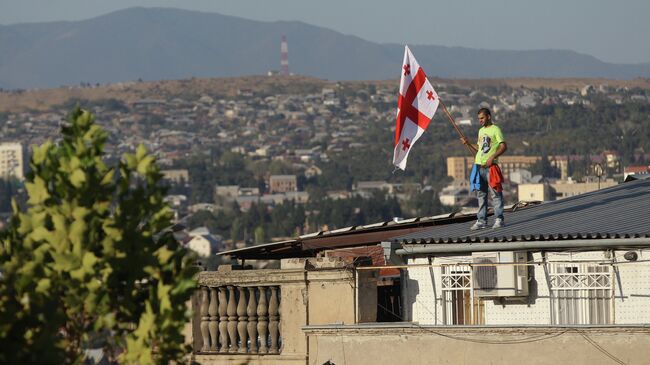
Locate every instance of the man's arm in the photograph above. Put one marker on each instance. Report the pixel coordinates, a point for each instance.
(472, 146)
(500, 150)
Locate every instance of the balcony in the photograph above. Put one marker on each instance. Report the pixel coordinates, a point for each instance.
(257, 316)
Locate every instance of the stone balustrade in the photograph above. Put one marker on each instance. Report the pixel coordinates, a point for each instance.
(240, 319)
(257, 316)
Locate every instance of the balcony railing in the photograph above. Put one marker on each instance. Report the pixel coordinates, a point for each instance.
(257, 316)
(240, 319)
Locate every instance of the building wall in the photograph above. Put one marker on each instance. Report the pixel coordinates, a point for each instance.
(460, 167)
(449, 199)
(531, 192)
(200, 245)
(567, 189)
(11, 160)
(282, 183)
(454, 345)
(423, 290)
(457, 167)
(229, 192)
(509, 163)
(177, 176)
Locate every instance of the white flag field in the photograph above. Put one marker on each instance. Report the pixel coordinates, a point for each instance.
(416, 104)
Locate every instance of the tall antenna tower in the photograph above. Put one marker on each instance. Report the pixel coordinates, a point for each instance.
(284, 57)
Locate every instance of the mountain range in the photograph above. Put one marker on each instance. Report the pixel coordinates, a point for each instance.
(165, 43)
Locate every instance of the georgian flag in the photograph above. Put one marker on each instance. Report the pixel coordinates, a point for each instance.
(417, 102)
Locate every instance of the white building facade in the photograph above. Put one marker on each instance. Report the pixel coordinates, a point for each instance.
(556, 288)
(11, 160)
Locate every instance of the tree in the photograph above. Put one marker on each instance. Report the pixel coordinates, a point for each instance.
(91, 257)
(259, 235)
(426, 203)
(543, 167)
(9, 188)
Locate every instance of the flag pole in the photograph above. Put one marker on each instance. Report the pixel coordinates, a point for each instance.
(453, 122)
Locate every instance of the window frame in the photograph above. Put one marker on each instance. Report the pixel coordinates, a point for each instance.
(581, 293)
(459, 304)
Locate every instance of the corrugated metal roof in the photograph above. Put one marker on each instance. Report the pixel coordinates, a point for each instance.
(310, 244)
(619, 211)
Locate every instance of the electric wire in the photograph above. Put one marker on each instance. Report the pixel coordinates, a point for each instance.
(493, 342)
(599, 347)
(530, 339)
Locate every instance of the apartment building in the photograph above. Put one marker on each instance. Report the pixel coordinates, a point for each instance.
(11, 160)
(460, 167)
(283, 183)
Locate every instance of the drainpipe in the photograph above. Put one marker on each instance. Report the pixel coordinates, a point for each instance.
(438, 248)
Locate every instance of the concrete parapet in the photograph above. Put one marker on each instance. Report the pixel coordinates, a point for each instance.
(413, 344)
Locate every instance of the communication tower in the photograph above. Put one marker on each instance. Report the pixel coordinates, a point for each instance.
(284, 56)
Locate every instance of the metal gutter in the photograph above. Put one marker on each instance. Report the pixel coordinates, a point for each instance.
(409, 250)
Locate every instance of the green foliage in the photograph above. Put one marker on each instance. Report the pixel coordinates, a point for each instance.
(543, 167)
(261, 223)
(425, 204)
(87, 259)
(110, 104)
(579, 129)
(260, 235)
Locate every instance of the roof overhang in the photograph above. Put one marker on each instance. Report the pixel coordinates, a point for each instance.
(373, 234)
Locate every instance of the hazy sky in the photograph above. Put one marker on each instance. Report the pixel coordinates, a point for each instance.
(613, 31)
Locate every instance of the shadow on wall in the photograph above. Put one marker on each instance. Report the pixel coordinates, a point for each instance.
(412, 289)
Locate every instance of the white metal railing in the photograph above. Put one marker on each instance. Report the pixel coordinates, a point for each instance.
(581, 293)
(460, 306)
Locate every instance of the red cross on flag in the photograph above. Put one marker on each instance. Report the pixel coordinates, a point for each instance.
(416, 104)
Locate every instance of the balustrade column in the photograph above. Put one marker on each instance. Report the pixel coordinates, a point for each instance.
(252, 319)
(232, 319)
(223, 319)
(280, 314)
(213, 311)
(262, 323)
(205, 319)
(274, 320)
(242, 320)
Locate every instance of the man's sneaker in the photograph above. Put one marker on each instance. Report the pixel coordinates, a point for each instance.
(478, 225)
(499, 223)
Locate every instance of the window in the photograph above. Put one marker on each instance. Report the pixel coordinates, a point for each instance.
(459, 306)
(581, 293)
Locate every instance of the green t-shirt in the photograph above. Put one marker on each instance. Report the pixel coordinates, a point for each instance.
(489, 139)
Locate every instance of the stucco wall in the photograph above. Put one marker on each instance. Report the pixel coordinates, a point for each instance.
(423, 290)
(444, 345)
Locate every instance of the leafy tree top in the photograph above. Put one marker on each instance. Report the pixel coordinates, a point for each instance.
(91, 258)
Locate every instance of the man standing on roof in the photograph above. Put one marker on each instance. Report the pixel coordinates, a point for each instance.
(486, 174)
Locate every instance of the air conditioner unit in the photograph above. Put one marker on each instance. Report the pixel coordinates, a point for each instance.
(493, 277)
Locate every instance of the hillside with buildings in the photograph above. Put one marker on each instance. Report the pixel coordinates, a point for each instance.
(242, 154)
